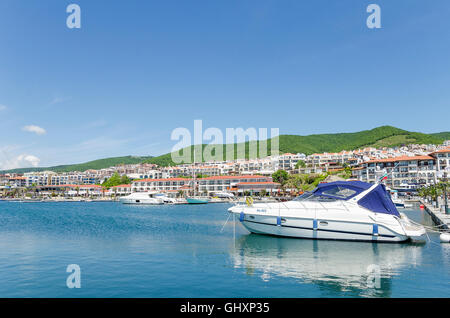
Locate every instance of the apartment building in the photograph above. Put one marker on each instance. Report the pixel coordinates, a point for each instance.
(39, 178)
(165, 184)
(17, 182)
(402, 172)
(204, 185)
(442, 159)
(149, 174)
(265, 166)
(288, 161)
(120, 190)
(256, 187)
(227, 183)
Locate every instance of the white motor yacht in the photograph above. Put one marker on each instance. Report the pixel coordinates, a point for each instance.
(341, 210)
(142, 198)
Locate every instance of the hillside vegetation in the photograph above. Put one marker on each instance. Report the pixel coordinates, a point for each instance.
(385, 136)
(96, 164)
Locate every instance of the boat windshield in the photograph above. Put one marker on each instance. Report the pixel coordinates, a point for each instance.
(310, 196)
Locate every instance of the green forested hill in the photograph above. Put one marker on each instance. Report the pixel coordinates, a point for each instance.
(385, 136)
(96, 164)
(442, 135)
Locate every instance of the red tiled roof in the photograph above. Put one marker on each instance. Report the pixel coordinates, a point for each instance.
(266, 182)
(207, 178)
(166, 179)
(233, 177)
(445, 150)
(77, 186)
(123, 186)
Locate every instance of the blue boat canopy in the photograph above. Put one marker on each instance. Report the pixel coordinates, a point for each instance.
(378, 200)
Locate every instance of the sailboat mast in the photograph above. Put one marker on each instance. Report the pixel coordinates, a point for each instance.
(193, 177)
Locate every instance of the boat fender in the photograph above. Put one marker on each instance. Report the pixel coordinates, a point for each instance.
(278, 220)
(241, 217)
(314, 224)
(375, 230)
(445, 237)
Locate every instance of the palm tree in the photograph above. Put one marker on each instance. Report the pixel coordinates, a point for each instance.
(434, 193)
(425, 192)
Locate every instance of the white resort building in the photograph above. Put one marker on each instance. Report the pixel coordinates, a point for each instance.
(402, 172)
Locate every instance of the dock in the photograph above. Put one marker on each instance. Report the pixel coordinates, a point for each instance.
(438, 215)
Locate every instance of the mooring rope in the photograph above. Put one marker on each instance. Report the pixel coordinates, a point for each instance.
(229, 214)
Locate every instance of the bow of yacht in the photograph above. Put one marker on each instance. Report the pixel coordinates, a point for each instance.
(342, 210)
(148, 198)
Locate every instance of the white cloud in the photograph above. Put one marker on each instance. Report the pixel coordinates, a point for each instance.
(2, 107)
(35, 129)
(58, 100)
(21, 161)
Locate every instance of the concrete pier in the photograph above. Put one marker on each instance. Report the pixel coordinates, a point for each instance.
(438, 215)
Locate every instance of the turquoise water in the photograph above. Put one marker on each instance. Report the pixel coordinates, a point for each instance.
(180, 251)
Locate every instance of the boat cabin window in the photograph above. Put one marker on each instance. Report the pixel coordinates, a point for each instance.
(309, 196)
(340, 192)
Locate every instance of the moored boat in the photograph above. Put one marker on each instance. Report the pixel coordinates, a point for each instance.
(149, 198)
(342, 210)
(197, 200)
(399, 203)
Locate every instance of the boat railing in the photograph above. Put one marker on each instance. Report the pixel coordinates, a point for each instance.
(282, 206)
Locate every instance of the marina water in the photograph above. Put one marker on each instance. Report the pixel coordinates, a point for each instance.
(180, 251)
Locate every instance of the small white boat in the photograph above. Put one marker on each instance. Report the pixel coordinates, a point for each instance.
(224, 195)
(399, 203)
(166, 199)
(341, 210)
(149, 198)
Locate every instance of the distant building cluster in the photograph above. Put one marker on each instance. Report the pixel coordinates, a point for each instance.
(406, 167)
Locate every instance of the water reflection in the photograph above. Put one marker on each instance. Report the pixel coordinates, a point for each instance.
(336, 267)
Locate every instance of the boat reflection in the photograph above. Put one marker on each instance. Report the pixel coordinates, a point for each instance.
(337, 268)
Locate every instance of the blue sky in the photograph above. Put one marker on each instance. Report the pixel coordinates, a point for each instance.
(136, 70)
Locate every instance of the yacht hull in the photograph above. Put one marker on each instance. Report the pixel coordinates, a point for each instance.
(196, 201)
(341, 210)
(141, 201)
(325, 229)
